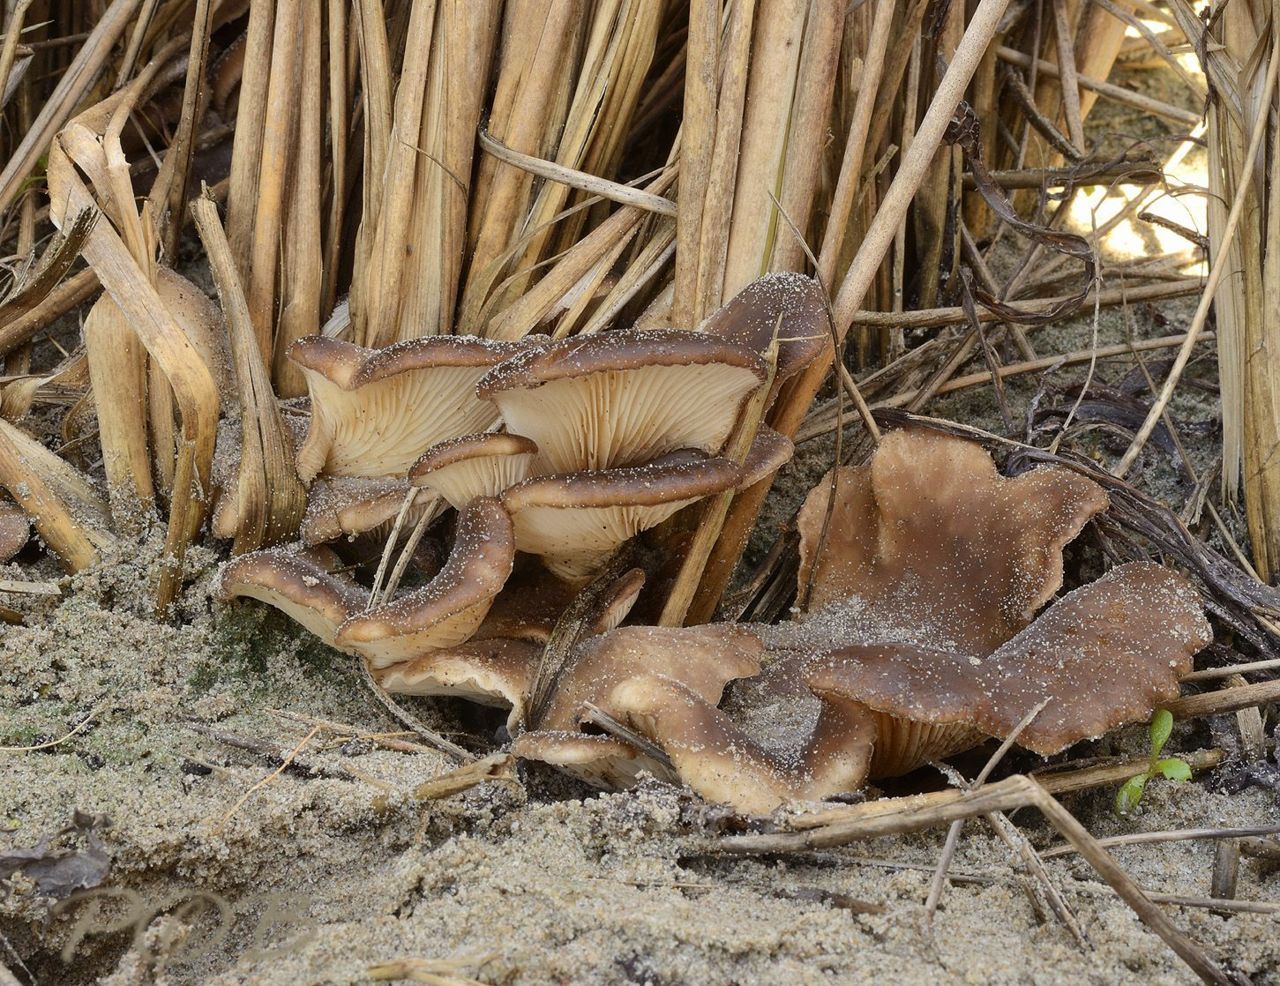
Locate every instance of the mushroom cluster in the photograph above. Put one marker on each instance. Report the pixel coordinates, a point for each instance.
(559, 451)
(924, 635)
(927, 579)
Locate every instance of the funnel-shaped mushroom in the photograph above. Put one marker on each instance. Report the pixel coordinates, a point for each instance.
(929, 534)
(448, 609)
(462, 469)
(624, 398)
(1104, 655)
(701, 660)
(786, 304)
(373, 412)
(576, 521)
(915, 666)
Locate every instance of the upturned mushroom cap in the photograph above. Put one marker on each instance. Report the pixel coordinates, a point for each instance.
(576, 521)
(1106, 654)
(490, 672)
(930, 535)
(15, 530)
(702, 659)
(448, 609)
(373, 412)
(345, 506)
(789, 304)
(300, 584)
(724, 763)
(462, 469)
(622, 398)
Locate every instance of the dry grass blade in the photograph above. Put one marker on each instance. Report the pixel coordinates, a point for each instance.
(267, 502)
(61, 503)
(66, 97)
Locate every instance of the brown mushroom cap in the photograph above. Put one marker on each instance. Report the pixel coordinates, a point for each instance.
(447, 610)
(373, 412)
(622, 398)
(702, 659)
(722, 762)
(496, 671)
(462, 469)
(299, 584)
(928, 534)
(15, 530)
(790, 304)
(769, 452)
(529, 605)
(1106, 654)
(346, 506)
(600, 760)
(576, 521)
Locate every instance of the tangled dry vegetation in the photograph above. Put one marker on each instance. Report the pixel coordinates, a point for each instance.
(521, 307)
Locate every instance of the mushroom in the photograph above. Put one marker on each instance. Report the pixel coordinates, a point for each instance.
(448, 609)
(462, 469)
(930, 535)
(15, 530)
(576, 521)
(624, 398)
(442, 614)
(701, 660)
(301, 584)
(345, 506)
(373, 412)
(495, 671)
(916, 667)
(1104, 655)
(788, 305)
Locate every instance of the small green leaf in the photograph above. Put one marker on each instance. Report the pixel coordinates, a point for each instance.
(1130, 794)
(1174, 768)
(1161, 727)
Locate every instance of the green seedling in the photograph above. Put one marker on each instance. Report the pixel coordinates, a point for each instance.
(1172, 768)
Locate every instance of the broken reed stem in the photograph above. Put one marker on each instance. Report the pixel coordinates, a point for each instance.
(269, 499)
(794, 402)
(685, 590)
(1216, 273)
(611, 190)
(1114, 93)
(1172, 835)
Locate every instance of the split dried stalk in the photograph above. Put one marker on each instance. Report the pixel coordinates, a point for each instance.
(267, 501)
